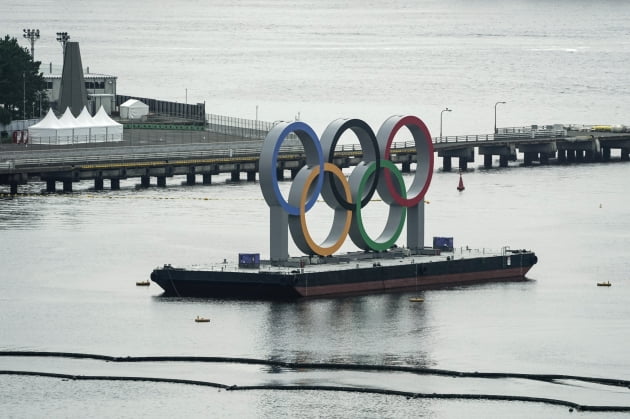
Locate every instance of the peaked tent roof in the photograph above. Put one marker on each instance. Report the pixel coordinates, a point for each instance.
(134, 103)
(68, 120)
(49, 121)
(101, 119)
(85, 119)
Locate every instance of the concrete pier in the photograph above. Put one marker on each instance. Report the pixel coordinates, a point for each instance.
(446, 164)
(20, 165)
(465, 155)
(504, 151)
(67, 186)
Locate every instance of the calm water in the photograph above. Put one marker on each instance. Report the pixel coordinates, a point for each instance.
(70, 262)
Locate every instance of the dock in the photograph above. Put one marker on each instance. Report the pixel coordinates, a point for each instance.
(201, 154)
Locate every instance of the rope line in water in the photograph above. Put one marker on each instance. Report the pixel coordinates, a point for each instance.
(407, 394)
(322, 366)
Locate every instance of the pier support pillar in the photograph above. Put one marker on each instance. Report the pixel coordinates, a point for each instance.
(50, 186)
(625, 154)
(463, 163)
(98, 184)
(487, 161)
(605, 153)
(145, 181)
(528, 157)
(562, 156)
(589, 155)
(161, 181)
(235, 176)
(114, 184)
(446, 164)
(579, 155)
(544, 158)
(251, 176)
(67, 186)
(206, 179)
(503, 161)
(190, 179)
(406, 167)
(280, 174)
(14, 189)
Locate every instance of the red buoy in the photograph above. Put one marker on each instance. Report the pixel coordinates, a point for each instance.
(460, 187)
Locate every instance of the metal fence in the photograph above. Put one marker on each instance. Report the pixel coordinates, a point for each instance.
(238, 127)
(195, 112)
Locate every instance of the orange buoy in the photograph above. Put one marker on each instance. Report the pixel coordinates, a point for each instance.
(460, 187)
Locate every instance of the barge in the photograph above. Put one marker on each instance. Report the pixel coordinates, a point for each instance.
(380, 265)
(358, 273)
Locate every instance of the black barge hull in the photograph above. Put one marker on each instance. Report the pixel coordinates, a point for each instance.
(337, 280)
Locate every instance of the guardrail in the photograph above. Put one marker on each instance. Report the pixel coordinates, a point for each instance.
(113, 153)
(140, 154)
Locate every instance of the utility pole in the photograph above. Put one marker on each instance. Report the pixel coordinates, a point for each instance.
(63, 37)
(495, 115)
(24, 96)
(33, 35)
(441, 113)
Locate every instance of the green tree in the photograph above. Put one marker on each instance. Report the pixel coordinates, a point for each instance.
(21, 83)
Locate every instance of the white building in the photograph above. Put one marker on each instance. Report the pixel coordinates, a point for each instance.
(101, 88)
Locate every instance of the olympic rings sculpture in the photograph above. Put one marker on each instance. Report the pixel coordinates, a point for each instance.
(376, 173)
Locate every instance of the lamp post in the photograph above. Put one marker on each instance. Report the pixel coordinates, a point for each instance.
(441, 113)
(495, 115)
(24, 97)
(33, 35)
(63, 37)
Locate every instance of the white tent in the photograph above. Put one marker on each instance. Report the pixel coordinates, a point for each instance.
(133, 109)
(84, 118)
(80, 131)
(47, 130)
(71, 130)
(105, 128)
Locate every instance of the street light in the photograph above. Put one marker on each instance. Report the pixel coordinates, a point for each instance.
(33, 35)
(63, 38)
(495, 115)
(441, 113)
(24, 96)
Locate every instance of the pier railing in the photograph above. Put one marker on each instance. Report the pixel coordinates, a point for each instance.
(196, 146)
